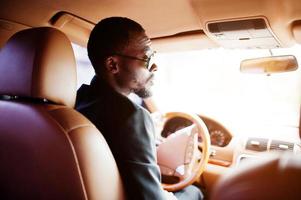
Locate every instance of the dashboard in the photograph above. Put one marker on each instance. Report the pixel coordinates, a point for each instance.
(219, 135)
(230, 150)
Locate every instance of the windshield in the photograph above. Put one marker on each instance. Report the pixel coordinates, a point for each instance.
(209, 82)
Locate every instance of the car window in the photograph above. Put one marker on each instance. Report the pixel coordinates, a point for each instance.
(209, 82)
(85, 71)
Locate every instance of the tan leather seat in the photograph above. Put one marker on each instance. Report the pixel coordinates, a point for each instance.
(47, 149)
(271, 177)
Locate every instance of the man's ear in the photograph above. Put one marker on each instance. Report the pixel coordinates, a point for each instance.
(111, 64)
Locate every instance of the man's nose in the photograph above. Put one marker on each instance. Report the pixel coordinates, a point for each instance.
(153, 68)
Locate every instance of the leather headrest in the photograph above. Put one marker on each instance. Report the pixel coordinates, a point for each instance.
(39, 63)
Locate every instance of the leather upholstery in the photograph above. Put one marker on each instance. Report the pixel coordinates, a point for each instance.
(49, 151)
(39, 63)
(273, 177)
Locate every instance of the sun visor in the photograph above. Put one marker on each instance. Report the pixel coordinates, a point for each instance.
(188, 41)
(77, 29)
(243, 33)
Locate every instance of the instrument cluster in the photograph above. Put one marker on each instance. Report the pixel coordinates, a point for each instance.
(219, 135)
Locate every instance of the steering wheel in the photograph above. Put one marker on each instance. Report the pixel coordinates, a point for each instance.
(179, 155)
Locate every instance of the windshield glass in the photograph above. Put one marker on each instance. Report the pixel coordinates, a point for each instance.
(209, 82)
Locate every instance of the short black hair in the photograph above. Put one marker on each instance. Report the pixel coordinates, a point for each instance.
(110, 36)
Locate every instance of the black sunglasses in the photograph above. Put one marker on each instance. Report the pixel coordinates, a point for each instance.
(145, 60)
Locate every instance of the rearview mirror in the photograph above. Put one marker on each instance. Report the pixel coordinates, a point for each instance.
(269, 65)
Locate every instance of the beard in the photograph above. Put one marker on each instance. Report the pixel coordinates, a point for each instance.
(145, 91)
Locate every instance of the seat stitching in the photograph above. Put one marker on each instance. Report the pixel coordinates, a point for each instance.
(75, 155)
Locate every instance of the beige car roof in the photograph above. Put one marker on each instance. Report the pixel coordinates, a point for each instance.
(170, 23)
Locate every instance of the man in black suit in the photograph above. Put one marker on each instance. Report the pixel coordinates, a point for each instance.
(120, 53)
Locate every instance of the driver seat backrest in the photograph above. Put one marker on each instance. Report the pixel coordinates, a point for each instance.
(47, 149)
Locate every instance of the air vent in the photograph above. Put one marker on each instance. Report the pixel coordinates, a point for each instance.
(257, 144)
(278, 145)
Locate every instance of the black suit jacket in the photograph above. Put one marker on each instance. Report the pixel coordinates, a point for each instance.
(129, 131)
